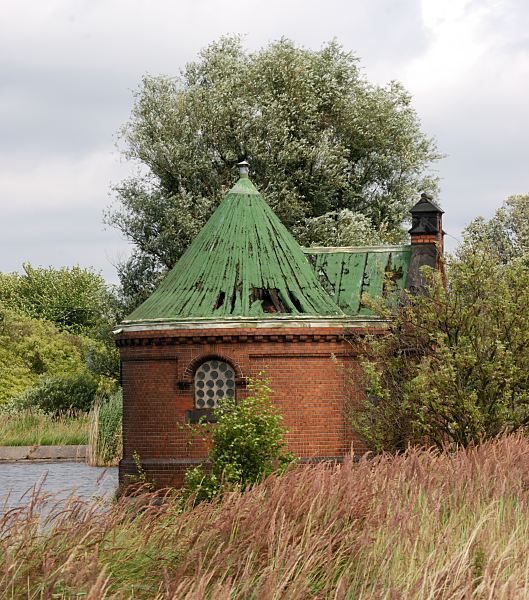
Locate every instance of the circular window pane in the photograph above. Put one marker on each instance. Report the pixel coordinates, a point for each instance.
(214, 379)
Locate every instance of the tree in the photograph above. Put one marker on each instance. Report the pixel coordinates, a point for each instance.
(507, 232)
(321, 140)
(453, 367)
(75, 299)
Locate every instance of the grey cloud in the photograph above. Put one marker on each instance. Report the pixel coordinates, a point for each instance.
(67, 71)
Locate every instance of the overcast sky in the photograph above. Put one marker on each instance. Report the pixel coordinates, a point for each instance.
(68, 69)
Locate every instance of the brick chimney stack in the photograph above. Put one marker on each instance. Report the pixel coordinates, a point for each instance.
(426, 235)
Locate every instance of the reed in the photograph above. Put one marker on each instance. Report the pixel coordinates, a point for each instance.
(104, 432)
(30, 427)
(422, 525)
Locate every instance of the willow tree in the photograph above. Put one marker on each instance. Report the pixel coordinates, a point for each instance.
(340, 160)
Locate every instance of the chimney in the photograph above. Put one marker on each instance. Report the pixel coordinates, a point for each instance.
(426, 240)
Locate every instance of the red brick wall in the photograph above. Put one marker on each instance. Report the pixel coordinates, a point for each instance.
(313, 382)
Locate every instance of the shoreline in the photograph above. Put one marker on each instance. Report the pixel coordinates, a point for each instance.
(43, 453)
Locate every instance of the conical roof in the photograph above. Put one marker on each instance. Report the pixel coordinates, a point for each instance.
(243, 263)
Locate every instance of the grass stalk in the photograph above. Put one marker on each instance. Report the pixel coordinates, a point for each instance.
(422, 525)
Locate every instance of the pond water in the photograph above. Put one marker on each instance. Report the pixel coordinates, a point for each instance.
(62, 479)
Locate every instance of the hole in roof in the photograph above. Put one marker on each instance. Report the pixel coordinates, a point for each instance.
(325, 282)
(295, 301)
(232, 303)
(220, 301)
(270, 300)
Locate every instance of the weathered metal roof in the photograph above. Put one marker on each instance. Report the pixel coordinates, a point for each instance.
(348, 273)
(243, 263)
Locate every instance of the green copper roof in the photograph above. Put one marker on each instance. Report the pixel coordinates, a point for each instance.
(243, 263)
(348, 273)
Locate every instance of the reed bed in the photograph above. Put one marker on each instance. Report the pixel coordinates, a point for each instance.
(423, 525)
(31, 427)
(104, 431)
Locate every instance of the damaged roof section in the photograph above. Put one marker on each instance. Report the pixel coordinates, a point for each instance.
(243, 263)
(349, 273)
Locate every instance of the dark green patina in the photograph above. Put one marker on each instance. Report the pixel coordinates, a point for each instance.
(349, 273)
(243, 263)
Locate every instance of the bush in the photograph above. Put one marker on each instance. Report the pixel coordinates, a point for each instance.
(248, 444)
(453, 365)
(55, 395)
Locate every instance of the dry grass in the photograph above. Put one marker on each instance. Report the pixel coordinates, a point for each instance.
(418, 526)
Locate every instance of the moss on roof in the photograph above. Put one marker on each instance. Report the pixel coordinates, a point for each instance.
(243, 263)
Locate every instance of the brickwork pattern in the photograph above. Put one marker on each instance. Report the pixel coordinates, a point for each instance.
(314, 381)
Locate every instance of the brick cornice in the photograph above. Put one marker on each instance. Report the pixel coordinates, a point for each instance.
(252, 336)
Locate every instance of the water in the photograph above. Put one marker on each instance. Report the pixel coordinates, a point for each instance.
(18, 479)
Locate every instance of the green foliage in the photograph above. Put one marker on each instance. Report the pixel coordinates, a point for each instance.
(55, 323)
(105, 440)
(454, 365)
(60, 394)
(31, 348)
(248, 444)
(35, 428)
(507, 233)
(320, 138)
(75, 299)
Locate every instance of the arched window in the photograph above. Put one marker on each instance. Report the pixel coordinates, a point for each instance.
(214, 380)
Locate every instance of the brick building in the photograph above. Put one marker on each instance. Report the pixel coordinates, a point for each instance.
(246, 298)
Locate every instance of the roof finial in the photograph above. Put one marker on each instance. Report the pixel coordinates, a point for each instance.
(244, 167)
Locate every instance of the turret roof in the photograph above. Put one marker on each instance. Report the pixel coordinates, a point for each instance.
(243, 263)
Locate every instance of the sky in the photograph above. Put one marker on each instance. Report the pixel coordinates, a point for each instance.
(68, 70)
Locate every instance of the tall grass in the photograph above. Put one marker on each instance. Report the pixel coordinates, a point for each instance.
(418, 526)
(104, 437)
(31, 427)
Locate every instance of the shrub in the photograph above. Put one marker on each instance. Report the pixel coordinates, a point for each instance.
(58, 394)
(248, 444)
(453, 365)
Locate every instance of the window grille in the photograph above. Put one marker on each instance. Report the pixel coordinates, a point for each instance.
(214, 380)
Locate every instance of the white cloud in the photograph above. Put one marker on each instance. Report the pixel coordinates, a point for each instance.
(69, 67)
